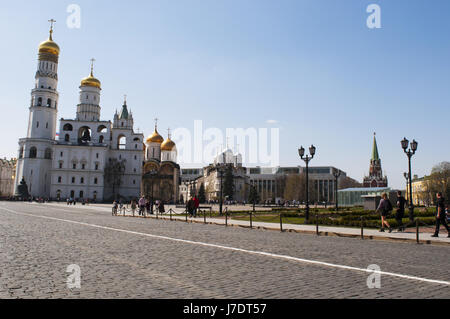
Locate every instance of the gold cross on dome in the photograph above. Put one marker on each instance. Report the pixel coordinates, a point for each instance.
(52, 21)
(92, 66)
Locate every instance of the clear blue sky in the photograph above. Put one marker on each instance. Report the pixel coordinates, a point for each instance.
(312, 65)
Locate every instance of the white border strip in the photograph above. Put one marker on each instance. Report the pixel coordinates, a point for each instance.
(260, 253)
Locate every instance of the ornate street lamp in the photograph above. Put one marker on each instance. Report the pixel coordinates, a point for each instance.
(307, 159)
(410, 152)
(336, 173)
(220, 167)
(152, 174)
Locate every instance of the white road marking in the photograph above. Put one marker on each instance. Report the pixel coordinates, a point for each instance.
(253, 252)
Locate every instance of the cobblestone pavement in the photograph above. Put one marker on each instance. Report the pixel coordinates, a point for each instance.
(38, 242)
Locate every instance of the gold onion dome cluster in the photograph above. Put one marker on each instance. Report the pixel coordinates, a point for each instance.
(49, 47)
(168, 145)
(155, 138)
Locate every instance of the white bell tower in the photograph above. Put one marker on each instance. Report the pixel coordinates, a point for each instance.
(35, 151)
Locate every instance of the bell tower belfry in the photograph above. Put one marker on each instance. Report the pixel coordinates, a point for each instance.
(35, 151)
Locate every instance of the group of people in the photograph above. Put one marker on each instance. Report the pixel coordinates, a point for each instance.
(192, 206)
(385, 207)
(143, 206)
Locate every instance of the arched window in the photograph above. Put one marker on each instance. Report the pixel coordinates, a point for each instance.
(59, 179)
(33, 152)
(84, 134)
(96, 181)
(49, 102)
(39, 103)
(82, 180)
(81, 194)
(102, 129)
(121, 142)
(68, 127)
(100, 140)
(67, 138)
(72, 194)
(48, 153)
(21, 152)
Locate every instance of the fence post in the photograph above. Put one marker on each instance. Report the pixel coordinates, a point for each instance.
(281, 222)
(251, 220)
(170, 212)
(204, 215)
(317, 225)
(362, 227)
(417, 230)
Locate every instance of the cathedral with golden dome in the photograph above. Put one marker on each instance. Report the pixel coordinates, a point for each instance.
(161, 174)
(90, 158)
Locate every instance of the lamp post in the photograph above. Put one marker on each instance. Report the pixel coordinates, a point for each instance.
(307, 159)
(336, 173)
(152, 175)
(220, 169)
(410, 152)
(406, 175)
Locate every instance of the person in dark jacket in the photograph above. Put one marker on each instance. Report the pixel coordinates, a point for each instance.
(441, 217)
(190, 206)
(400, 211)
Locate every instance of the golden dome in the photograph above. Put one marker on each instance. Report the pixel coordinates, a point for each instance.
(155, 138)
(91, 81)
(49, 47)
(168, 145)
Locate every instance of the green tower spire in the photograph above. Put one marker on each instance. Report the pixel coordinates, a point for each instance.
(375, 156)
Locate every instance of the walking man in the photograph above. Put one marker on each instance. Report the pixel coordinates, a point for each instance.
(400, 211)
(384, 208)
(441, 217)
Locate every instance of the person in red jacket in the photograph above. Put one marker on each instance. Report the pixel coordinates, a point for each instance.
(196, 206)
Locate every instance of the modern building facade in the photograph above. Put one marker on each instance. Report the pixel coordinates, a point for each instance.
(268, 181)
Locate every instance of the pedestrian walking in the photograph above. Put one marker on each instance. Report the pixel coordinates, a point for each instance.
(142, 203)
(384, 208)
(161, 208)
(148, 206)
(114, 208)
(133, 206)
(400, 211)
(196, 205)
(441, 217)
(190, 207)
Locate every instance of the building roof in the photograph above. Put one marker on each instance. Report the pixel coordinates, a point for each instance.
(375, 155)
(124, 112)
